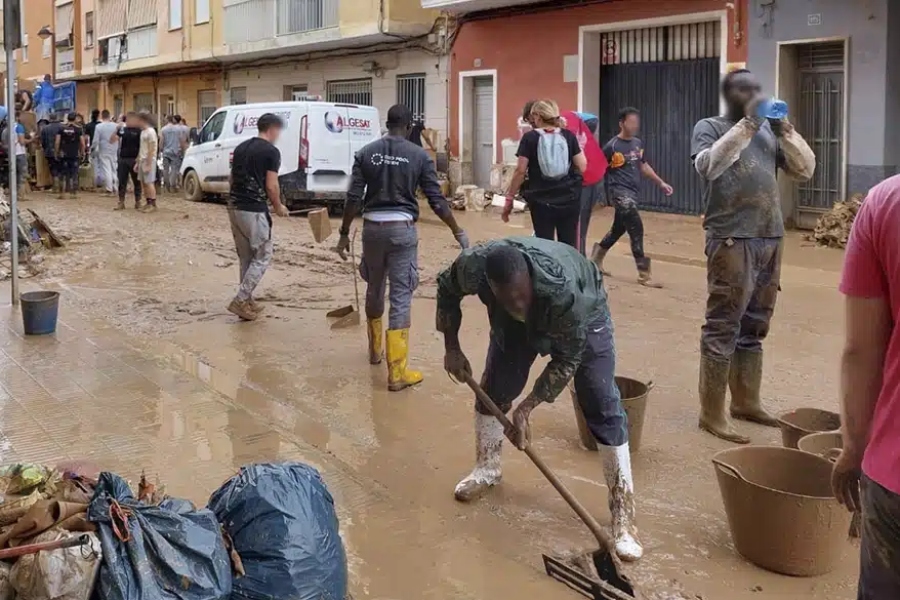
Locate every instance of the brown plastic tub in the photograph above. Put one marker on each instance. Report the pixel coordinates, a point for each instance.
(781, 511)
(634, 395)
(800, 422)
(827, 444)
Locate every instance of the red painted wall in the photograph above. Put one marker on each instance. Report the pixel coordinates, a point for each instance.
(528, 50)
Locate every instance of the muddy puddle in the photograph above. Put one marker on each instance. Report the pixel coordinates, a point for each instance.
(287, 387)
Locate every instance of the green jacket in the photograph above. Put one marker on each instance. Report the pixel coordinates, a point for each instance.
(568, 297)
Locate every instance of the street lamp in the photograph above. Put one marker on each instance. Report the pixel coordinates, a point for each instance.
(46, 33)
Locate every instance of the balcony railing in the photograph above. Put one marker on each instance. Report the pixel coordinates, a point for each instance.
(462, 6)
(256, 20)
(65, 60)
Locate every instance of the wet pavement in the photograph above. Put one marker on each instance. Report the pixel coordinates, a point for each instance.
(148, 372)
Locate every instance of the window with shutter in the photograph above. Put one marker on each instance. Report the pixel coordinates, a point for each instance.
(110, 16)
(65, 20)
(201, 11)
(89, 30)
(141, 13)
(176, 13)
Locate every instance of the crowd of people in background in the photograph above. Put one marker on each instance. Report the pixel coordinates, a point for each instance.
(105, 153)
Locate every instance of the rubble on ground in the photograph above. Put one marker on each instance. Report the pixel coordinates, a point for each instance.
(34, 235)
(833, 228)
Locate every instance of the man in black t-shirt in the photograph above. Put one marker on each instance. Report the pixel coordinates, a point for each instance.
(627, 163)
(48, 146)
(129, 138)
(69, 150)
(254, 183)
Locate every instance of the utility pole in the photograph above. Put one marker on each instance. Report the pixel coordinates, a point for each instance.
(12, 40)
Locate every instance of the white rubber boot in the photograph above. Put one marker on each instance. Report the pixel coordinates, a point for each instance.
(487, 473)
(617, 469)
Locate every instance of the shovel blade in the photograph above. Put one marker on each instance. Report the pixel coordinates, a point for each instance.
(594, 575)
(340, 313)
(351, 320)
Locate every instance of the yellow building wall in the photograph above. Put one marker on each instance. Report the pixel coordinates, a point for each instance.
(410, 11)
(357, 17)
(37, 14)
(87, 53)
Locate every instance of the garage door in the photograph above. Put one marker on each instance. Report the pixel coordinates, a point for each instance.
(671, 74)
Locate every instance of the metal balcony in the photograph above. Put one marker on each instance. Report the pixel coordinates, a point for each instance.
(256, 20)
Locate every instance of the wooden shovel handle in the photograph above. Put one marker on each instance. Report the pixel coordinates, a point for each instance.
(602, 538)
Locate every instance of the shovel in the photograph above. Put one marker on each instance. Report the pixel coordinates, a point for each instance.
(612, 583)
(348, 316)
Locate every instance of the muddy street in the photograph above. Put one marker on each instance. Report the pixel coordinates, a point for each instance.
(151, 291)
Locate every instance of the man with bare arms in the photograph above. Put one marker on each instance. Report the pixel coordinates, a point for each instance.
(738, 156)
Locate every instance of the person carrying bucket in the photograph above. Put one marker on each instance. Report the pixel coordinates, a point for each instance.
(542, 297)
(386, 176)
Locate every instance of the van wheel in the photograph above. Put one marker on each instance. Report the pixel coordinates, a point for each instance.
(191, 186)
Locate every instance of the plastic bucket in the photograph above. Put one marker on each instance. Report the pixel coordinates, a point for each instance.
(634, 396)
(39, 312)
(799, 423)
(781, 511)
(827, 444)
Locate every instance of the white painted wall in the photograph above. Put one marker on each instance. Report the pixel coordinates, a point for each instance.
(266, 83)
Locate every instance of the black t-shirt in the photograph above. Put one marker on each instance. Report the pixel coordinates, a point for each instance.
(129, 142)
(415, 134)
(625, 157)
(253, 159)
(89, 130)
(70, 141)
(552, 191)
(48, 137)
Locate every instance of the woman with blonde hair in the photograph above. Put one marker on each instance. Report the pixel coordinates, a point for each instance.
(553, 160)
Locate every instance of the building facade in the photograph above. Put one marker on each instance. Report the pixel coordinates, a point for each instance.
(34, 58)
(191, 57)
(665, 57)
(830, 60)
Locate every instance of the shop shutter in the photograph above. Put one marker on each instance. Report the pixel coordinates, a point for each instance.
(110, 16)
(141, 13)
(65, 19)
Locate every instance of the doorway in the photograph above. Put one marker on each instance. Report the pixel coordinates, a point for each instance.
(483, 131)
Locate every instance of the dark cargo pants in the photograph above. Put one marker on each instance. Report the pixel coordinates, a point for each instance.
(627, 220)
(879, 564)
(742, 278)
(508, 365)
(390, 254)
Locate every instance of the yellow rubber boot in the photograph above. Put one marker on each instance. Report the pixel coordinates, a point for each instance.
(399, 377)
(376, 340)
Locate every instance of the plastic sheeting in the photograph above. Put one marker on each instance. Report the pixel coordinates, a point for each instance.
(61, 574)
(282, 521)
(169, 551)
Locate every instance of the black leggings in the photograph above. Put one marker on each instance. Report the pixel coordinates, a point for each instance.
(628, 220)
(126, 170)
(553, 222)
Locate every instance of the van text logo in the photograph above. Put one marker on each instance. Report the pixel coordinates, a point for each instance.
(335, 123)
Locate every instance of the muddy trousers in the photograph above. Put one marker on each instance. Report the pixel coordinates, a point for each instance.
(68, 173)
(556, 222)
(508, 365)
(590, 194)
(126, 170)
(879, 565)
(390, 254)
(742, 279)
(171, 172)
(628, 220)
(21, 169)
(252, 233)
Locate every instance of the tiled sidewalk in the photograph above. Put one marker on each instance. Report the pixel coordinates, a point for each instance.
(88, 392)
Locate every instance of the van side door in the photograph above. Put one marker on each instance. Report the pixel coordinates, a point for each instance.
(209, 161)
(330, 158)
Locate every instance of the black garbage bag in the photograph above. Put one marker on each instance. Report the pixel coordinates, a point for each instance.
(282, 521)
(165, 552)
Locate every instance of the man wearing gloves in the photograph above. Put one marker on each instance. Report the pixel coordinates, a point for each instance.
(738, 156)
(386, 175)
(542, 297)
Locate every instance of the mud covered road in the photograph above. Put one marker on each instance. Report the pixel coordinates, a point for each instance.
(392, 460)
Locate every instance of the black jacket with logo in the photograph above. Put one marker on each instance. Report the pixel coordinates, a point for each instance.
(388, 172)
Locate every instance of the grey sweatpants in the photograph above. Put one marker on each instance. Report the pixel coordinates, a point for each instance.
(742, 276)
(252, 233)
(171, 171)
(390, 254)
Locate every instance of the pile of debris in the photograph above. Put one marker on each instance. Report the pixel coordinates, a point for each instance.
(34, 235)
(833, 228)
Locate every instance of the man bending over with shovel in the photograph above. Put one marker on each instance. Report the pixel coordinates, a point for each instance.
(386, 175)
(542, 297)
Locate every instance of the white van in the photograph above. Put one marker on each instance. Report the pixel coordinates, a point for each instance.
(317, 148)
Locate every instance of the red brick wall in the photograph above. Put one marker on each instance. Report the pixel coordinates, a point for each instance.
(527, 52)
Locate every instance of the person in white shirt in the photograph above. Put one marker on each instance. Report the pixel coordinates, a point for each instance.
(105, 147)
(146, 164)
